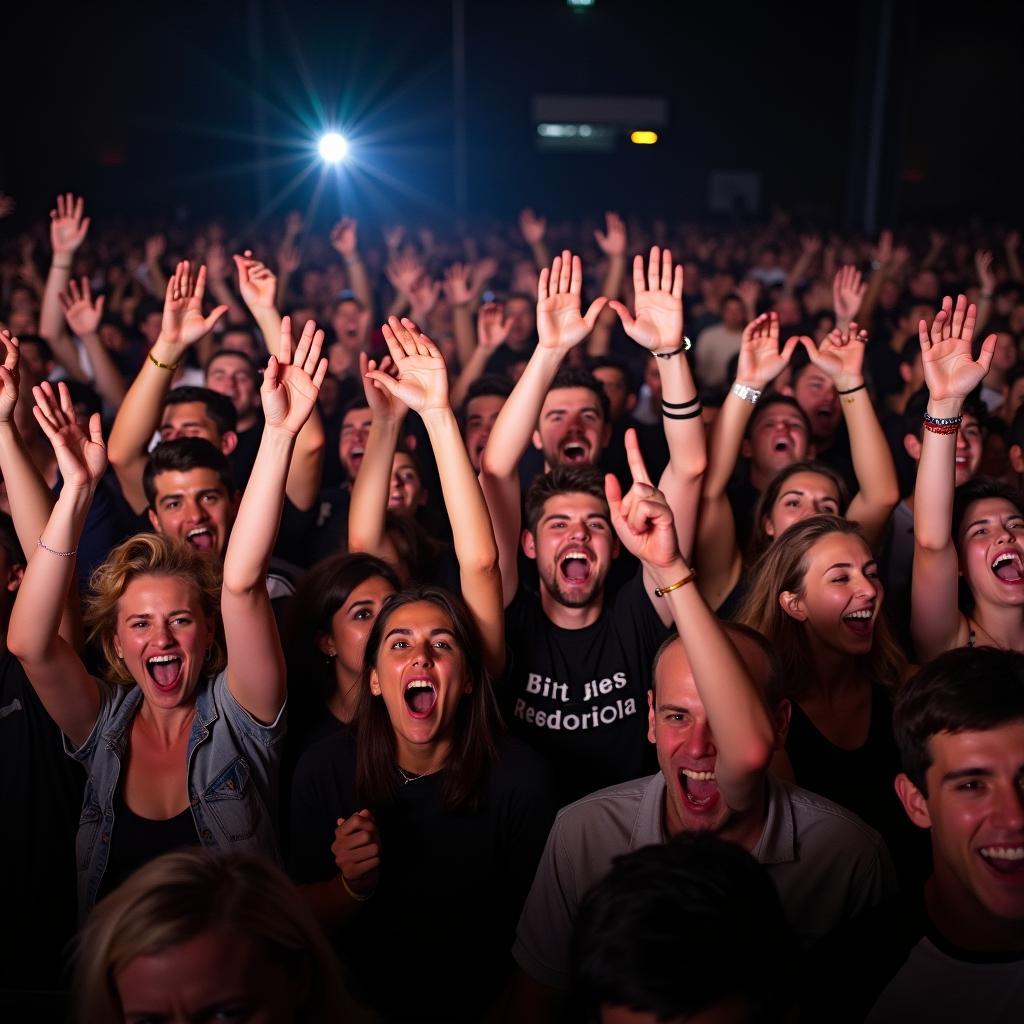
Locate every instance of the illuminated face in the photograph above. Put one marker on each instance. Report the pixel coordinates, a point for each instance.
(407, 492)
(841, 594)
(352, 622)
(162, 636)
(778, 439)
(217, 976)
(803, 495)
(522, 325)
(572, 430)
(620, 398)
(232, 376)
(818, 398)
(189, 419)
(975, 810)
(194, 506)
(574, 546)
(355, 429)
(481, 412)
(420, 674)
(992, 551)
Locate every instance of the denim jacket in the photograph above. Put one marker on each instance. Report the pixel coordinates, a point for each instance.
(232, 777)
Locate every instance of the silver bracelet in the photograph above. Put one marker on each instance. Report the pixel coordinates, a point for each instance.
(748, 394)
(54, 551)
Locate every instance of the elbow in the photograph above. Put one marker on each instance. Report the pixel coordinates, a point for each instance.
(485, 563)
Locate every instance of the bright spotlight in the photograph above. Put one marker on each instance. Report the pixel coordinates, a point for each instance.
(333, 148)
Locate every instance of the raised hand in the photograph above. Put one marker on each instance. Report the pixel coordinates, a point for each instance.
(749, 291)
(810, 244)
(492, 329)
(882, 253)
(840, 355)
(404, 272)
(293, 225)
(642, 519)
(344, 238)
(183, 321)
(256, 281)
(393, 236)
(983, 265)
(356, 850)
(10, 376)
(81, 459)
(658, 326)
(422, 382)
(423, 297)
(559, 323)
(291, 383)
(848, 291)
(82, 314)
(613, 239)
(68, 227)
(289, 259)
(532, 227)
(382, 403)
(950, 370)
(760, 360)
(156, 246)
(457, 285)
(216, 263)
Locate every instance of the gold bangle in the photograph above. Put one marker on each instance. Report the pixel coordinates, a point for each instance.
(163, 366)
(662, 591)
(357, 896)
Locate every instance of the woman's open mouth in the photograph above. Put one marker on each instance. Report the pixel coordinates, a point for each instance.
(420, 698)
(165, 670)
(1009, 568)
(861, 622)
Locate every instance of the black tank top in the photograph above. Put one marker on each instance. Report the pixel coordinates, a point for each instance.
(136, 841)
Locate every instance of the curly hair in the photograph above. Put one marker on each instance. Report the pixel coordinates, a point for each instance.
(149, 554)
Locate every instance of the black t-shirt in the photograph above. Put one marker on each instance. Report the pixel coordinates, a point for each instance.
(40, 806)
(434, 942)
(579, 696)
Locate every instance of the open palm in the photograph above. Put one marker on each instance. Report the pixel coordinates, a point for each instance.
(840, 355)
(183, 321)
(422, 382)
(760, 360)
(81, 458)
(950, 369)
(658, 325)
(560, 324)
(291, 383)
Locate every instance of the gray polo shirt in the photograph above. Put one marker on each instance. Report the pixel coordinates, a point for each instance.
(827, 865)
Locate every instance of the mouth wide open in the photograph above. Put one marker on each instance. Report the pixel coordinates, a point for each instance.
(699, 790)
(420, 698)
(166, 671)
(202, 538)
(575, 568)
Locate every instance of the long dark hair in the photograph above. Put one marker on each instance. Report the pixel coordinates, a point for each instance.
(476, 719)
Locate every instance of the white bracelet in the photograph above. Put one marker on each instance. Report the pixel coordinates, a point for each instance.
(748, 394)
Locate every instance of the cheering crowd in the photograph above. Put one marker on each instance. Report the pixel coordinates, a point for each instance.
(609, 622)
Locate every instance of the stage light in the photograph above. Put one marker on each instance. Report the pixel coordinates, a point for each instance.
(333, 148)
(644, 138)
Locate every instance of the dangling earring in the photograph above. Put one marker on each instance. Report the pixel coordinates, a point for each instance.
(330, 656)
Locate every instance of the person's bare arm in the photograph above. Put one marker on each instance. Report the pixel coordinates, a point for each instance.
(83, 317)
(612, 242)
(951, 374)
(344, 239)
(533, 229)
(139, 416)
(848, 291)
(459, 292)
(156, 245)
(59, 677)
(491, 333)
(810, 246)
(841, 356)
(987, 281)
(560, 327)
(422, 385)
(291, 385)
(68, 228)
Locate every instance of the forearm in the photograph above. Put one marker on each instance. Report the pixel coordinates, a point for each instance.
(330, 903)
(106, 376)
(541, 256)
(464, 333)
(306, 471)
(30, 499)
(155, 279)
(268, 320)
(1014, 265)
(259, 515)
(797, 273)
(517, 420)
(872, 458)
(726, 443)
(936, 482)
(866, 312)
(369, 503)
(359, 282)
(51, 320)
(984, 312)
(399, 305)
(139, 415)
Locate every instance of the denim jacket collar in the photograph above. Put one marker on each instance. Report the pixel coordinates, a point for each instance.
(115, 737)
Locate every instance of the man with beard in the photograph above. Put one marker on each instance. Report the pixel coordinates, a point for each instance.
(575, 686)
(715, 718)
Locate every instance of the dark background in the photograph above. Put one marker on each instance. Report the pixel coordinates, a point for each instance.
(156, 110)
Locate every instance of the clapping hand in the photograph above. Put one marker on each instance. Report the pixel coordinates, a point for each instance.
(422, 382)
(559, 323)
(81, 459)
(950, 370)
(658, 325)
(291, 383)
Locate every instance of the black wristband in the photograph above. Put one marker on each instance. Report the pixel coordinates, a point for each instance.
(681, 405)
(850, 391)
(681, 415)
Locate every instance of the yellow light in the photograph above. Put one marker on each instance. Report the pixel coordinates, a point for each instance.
(644, 138)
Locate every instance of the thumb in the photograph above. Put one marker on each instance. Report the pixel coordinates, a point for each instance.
(384, 381)
(988, 350)
(271, 374)
(96, 429)
(100, 302)
(790, 347)
(622, 312)
(808, 344)
(590, 318)
(218, 312)
(613, 495)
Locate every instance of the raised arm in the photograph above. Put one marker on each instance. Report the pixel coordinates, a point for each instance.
(987, 283)
(560, 327)
(951, 374)
(533, 229)
(291, 385)
(848, 291)
(810, 246)
(68, 228)
(83, 317)
(139, 416)
(658, 327)
(57, 674)
(422, 385)
(612, 242)
(460, 295)
(258, 287)
(841, 356)
(344, 239)
(491, 333)
(718, 554)
(736, 712)
(368, 508)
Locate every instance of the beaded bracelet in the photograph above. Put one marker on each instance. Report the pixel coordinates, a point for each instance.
(943, 421)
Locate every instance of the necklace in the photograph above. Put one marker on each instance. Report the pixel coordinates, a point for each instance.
(408, 777)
